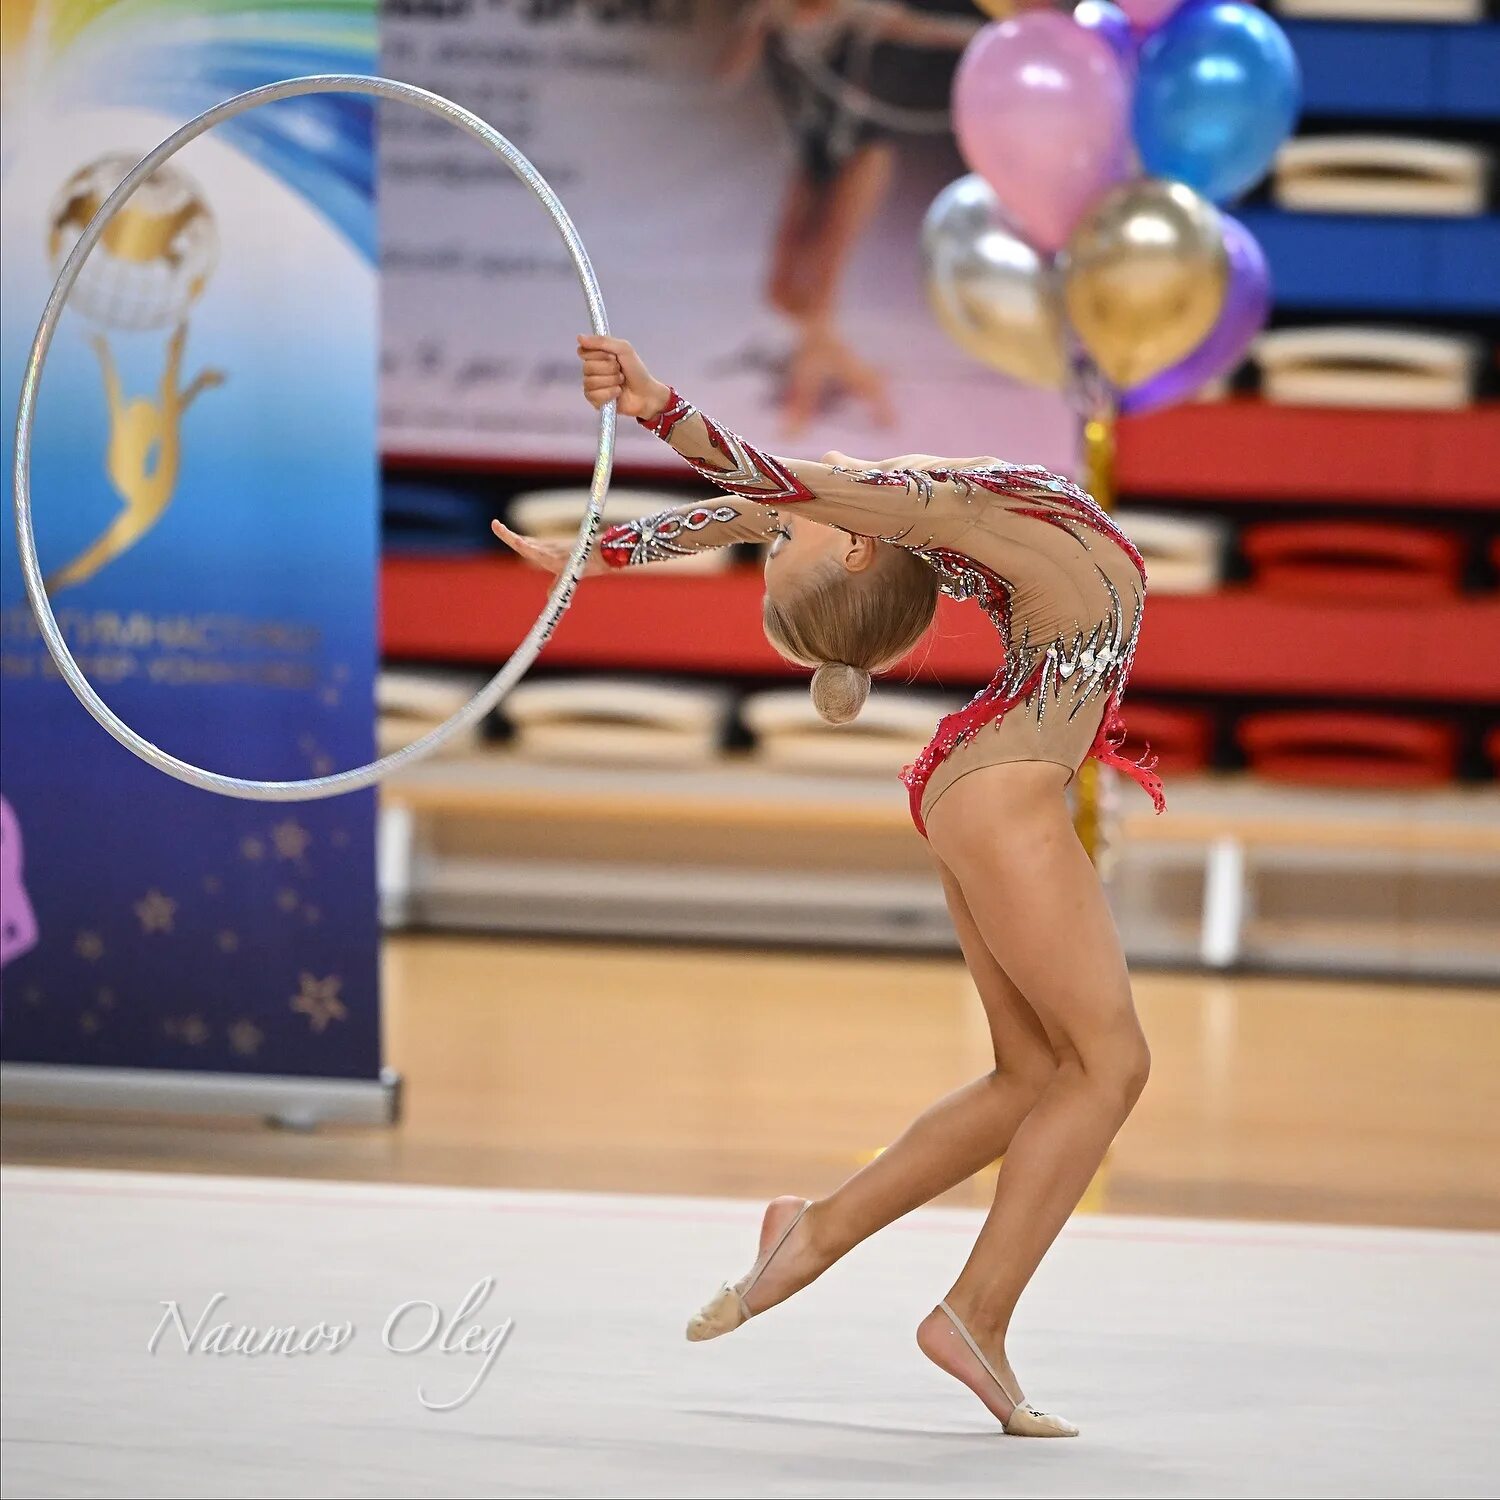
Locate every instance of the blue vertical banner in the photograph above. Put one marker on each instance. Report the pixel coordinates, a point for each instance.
(205, 491)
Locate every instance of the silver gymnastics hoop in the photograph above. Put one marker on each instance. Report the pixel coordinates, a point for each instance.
(562, 591)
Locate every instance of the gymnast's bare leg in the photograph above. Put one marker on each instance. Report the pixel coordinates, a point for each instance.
(948, 1143)
(1071, 1061)
(823, 361)
(788, 287)
(1039, 906)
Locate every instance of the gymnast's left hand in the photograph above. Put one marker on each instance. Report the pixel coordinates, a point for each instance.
(550, 554)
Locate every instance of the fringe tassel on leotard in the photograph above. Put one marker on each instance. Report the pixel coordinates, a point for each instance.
(1108, 750)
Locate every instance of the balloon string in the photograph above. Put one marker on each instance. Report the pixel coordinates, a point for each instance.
(1090, 395)
(1099, 480)
(1099, 460)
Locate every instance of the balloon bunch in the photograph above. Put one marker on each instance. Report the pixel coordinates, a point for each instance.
(1086, 239)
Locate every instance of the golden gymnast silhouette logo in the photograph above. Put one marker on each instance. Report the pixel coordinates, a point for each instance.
(146, 273)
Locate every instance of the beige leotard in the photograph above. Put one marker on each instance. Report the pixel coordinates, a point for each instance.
(1061, 583)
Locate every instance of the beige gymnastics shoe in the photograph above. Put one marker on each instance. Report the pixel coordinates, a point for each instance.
(943, 1338)
(724, 1312)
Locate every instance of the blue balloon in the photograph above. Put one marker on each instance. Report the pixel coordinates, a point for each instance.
(1218, 92)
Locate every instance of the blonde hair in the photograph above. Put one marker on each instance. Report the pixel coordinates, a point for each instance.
(847, 625)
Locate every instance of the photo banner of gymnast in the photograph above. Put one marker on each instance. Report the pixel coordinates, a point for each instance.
(750, 180)
(205, 449)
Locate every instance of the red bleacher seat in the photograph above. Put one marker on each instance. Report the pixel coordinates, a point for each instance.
(1354, 559)
(1180, 738)
(1349, 749)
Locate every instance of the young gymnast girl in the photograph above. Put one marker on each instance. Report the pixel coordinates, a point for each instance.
(859, 554)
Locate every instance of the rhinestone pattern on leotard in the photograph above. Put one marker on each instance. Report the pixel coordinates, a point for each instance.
(658, 538)
(746, 471)
(1039, 674)
(1066, 673)
(1057, 501)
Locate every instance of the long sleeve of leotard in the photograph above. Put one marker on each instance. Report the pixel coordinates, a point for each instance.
(685, 529)
(913, 507)
(1062, 584)
(1032, 549)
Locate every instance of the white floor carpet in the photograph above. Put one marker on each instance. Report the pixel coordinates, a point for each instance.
(1199, 1358)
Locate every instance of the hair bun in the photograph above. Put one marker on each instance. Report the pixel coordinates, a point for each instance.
(839, 691)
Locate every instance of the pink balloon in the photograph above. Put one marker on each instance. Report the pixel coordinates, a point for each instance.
(1041, 108)
(1147, 15)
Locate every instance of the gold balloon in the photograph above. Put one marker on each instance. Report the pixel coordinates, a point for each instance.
(1004, 10)
(1144, 278)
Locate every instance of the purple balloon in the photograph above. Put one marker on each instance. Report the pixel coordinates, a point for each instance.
(1106, 19)
(1247, 303)
(1148, 15)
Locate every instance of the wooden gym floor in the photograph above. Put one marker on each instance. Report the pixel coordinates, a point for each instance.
(746, 1073)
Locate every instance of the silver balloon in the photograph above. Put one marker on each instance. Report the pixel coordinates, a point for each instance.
(996, 297)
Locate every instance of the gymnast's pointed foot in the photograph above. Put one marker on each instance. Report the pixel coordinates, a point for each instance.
(942, 1337)
(785, 1262)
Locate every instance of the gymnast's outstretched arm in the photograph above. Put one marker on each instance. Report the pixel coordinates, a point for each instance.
(895, 23)
(747, 42)
(987, 527)
(916, 506)
(685, 529)
(678, 532)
